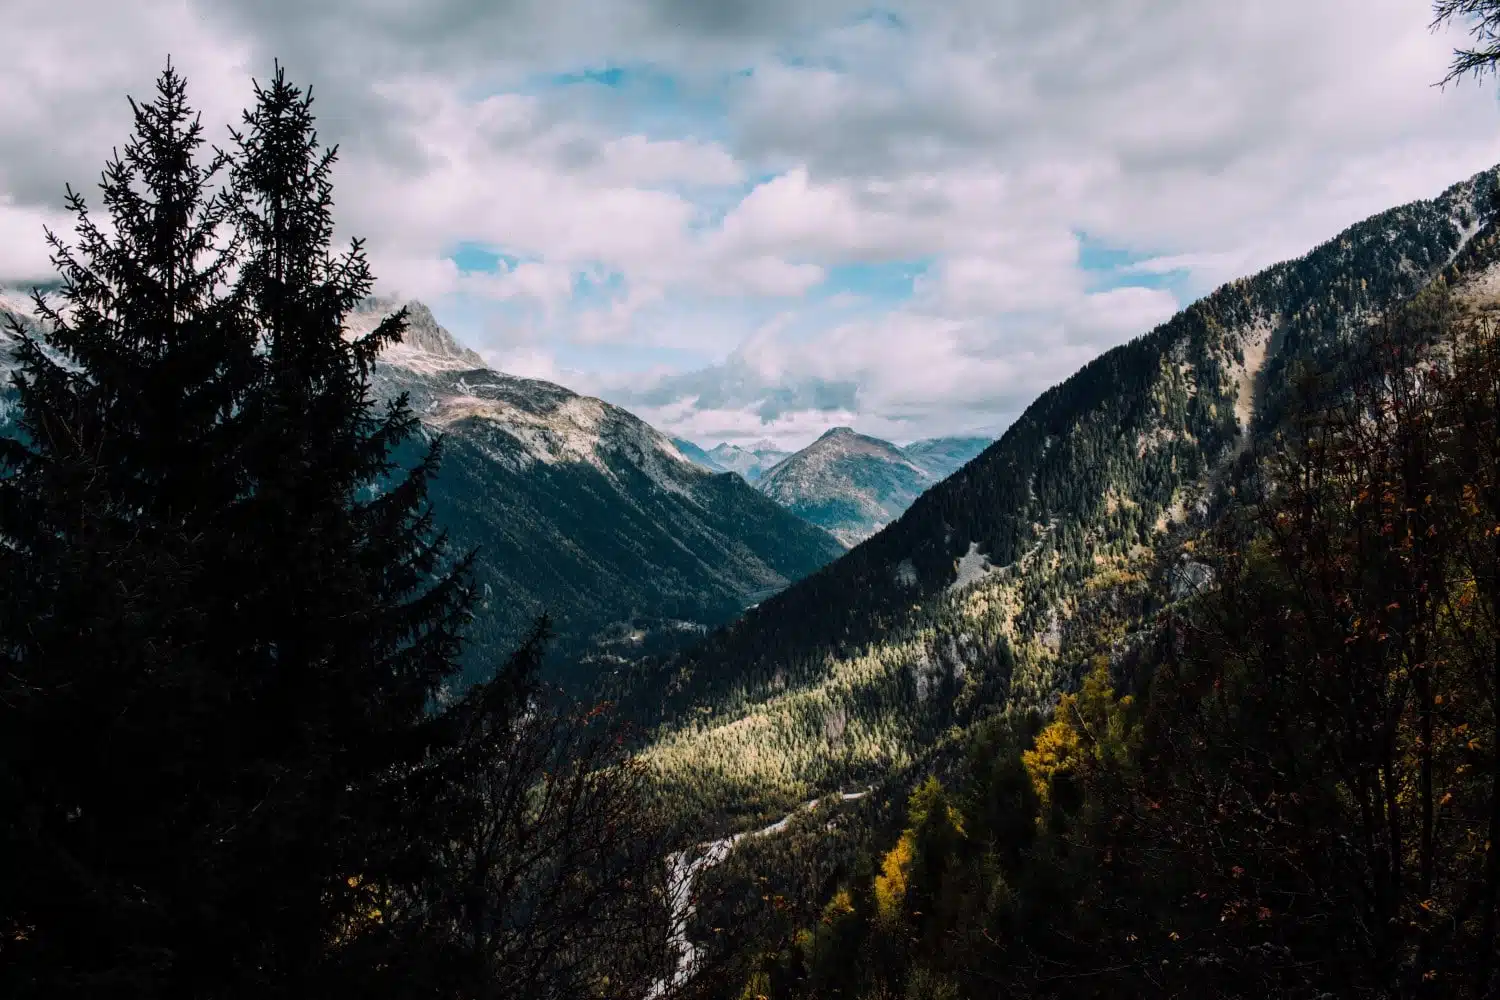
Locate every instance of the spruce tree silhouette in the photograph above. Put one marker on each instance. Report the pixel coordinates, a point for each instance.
(129, 418)
(230, 761)
(225, 610)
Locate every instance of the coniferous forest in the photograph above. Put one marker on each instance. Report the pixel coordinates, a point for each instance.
(1187, 686)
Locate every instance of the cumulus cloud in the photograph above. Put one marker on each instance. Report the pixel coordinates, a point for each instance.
(740, 157)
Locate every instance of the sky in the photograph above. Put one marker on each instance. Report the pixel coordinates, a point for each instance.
(757, 219)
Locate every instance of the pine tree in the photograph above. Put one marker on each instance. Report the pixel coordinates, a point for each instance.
(1484, 27)
(340, 599)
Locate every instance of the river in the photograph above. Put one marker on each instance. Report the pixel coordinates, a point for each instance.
(683, 873)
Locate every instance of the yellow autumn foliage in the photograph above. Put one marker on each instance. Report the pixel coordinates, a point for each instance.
(1087, 729)
(841, 905)
(1058, 750)
(894, 878)
(367, 912)
(758, 988)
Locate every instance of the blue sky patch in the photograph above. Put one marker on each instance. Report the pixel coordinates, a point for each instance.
(612, 76)
(714, 204)
(640, 80)
(884, 282)
(597, 287)
(475, 258)
(1097, 255)
(644, 99)
(1109, 267)
(882, 17)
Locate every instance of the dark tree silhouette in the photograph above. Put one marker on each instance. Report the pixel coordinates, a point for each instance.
(229, 765)
(1483, 17)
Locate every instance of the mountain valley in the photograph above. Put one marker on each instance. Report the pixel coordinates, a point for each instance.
(344, 656)
(993, 648)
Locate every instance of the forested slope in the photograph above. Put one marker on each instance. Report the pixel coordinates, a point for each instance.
(996, 586)
(1279, 776)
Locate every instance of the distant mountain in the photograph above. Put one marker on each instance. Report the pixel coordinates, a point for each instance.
(853, 485)
(582, 510)
(752, 462)
(944, 456)
(578, 508)
(697, 455)
(848, 483)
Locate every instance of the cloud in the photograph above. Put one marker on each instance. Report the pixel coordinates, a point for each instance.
(23, 255)
(66, 75)
(761, 217)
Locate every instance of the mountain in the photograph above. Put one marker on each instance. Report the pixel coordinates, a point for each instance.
(848, 483)
(579, 509)
(944, 456)
(751, 463)
(996, 587)
(853, 484)
(582, 510)
(697, 455)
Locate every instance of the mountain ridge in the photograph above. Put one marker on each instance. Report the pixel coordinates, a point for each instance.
(975, 599)
(750, 462)
(694, 453)
(848, 483)
(581, 510)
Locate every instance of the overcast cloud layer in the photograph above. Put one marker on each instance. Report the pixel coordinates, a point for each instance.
(754, 219)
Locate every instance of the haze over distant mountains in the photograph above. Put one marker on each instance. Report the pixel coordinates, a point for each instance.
(849, 483)
(750, 462)
(854, 485)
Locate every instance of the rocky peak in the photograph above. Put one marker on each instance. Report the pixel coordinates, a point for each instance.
(424, 334)
(425, 345)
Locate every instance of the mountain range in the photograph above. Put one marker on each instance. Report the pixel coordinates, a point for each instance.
(697, 455)
(581, 510)
(577, 508)
(849, 483)
(750, 462)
